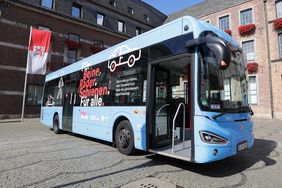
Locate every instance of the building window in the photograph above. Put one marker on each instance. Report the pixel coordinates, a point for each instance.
(98, 44)
(34, 94)
(100, 19)
(224, 23)
(43, 28)
(146, 17)
(47, 3)
(121, 26)
(138, 31)
(113, 3)
(248, 48)
(280, 44)
(130, 10)
(246, 17)
(76, 10)
(227, 90)
(74, 37)
(71, 56)
(72, 52)
(279, 9)
(253, 94)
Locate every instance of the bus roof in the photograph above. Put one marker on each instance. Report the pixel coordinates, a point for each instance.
(159, 34)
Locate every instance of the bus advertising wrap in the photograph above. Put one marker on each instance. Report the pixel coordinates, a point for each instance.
(90, 93)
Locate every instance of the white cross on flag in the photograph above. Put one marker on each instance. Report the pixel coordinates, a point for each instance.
(39, 43)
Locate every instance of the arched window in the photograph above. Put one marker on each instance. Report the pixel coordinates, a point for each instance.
(279, 9)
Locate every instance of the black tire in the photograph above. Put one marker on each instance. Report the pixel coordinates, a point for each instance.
(56, 126)
(124, 138)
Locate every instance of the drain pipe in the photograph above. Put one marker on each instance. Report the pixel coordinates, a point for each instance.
(268, 57)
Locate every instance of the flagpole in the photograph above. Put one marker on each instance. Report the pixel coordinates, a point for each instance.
(25, 80)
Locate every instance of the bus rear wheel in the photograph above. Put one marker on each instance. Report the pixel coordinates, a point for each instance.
(56, 128)
(124, 138)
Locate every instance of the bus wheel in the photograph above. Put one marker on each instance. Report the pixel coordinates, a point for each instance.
(124, 138)
(56, 128)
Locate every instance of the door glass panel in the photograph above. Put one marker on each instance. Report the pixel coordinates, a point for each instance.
(161, 103)
(179, 101)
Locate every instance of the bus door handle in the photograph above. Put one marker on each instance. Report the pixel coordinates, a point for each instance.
(173, 126)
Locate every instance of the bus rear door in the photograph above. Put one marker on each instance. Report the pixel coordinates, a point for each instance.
(70, 97)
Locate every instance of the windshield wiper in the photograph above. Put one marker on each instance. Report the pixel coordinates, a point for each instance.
(218, 115)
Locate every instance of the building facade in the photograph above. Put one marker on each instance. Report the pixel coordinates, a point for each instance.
(257, 26)
(79, 29)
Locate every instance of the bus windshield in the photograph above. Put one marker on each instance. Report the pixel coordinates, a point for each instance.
(222, 90)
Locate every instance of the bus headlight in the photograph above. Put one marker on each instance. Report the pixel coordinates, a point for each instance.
(211, 138)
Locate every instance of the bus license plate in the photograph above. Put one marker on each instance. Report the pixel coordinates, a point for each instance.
(241, 146)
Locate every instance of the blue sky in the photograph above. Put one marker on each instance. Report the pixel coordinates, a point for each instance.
(170, 6)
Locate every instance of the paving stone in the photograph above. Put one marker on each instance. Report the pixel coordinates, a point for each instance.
(31, 155)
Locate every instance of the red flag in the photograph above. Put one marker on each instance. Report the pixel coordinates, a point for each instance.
(39, 43)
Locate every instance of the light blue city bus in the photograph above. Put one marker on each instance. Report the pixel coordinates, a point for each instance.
(179, 90)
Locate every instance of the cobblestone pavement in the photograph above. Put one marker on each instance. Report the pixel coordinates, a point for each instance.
(31, 155)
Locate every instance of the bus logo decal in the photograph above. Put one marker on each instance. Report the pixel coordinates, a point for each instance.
(83, 115)
(117, 58)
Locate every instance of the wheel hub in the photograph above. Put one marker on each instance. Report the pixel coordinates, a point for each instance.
(124, 138)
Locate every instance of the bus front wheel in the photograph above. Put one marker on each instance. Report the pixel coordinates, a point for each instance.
(124, 138)
(56, 128)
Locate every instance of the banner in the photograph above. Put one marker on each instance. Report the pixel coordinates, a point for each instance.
(39, 43)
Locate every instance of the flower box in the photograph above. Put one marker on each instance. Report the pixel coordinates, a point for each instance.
(228, 31)
(72, 44)
(252, 68)
(247, 29)
(277, 24)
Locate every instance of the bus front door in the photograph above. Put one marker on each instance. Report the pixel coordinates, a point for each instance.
(170, 104)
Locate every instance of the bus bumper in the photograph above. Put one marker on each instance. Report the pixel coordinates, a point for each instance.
(205, 154)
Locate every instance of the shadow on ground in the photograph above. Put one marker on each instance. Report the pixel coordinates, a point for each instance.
(247, 160)
(260, 152)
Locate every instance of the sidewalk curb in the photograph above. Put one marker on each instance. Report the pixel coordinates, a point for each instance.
(19, 120)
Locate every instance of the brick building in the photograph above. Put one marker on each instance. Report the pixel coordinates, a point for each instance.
(257, 26)
(92, 25)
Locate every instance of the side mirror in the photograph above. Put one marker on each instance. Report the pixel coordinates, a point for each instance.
(216, 45)
(251, 111)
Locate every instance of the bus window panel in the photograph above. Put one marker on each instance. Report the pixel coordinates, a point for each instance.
(49, 98)
(124, 85)
(222, 90)
(128, 83)
(169, 47)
